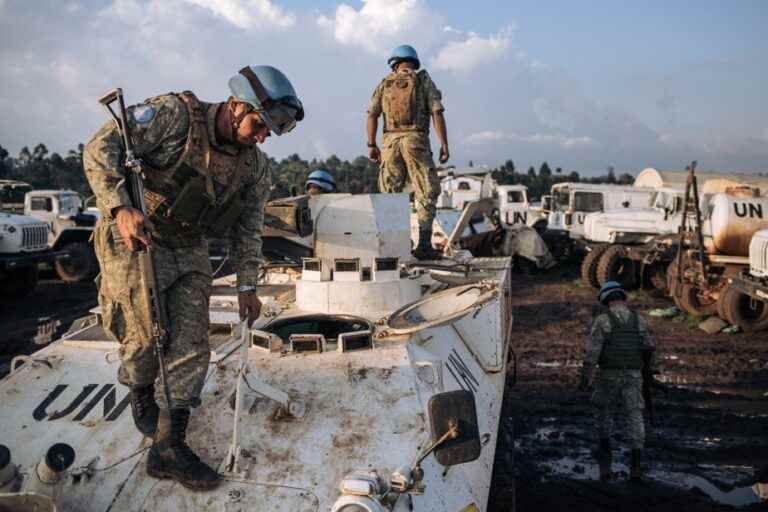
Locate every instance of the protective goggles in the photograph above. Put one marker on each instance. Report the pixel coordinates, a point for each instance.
(280, 115)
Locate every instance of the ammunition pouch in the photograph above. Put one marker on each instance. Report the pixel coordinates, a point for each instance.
(194, 208)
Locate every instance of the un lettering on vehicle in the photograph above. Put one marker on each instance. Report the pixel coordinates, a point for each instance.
(82, 405)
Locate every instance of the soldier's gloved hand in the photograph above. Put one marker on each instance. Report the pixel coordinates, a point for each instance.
(584, 378)
(444, 154)
(374, 154)
(130, 223)
(250, 306)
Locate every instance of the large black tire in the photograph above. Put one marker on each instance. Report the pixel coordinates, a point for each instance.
(589, 265)
(20, 283)
(693, 302)
(750, 315)
(81, 264)
(722, 311)
(614, 265)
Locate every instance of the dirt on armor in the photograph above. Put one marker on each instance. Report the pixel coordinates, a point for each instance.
(708, 448)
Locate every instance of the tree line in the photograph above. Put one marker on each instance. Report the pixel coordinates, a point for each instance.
(45, 170)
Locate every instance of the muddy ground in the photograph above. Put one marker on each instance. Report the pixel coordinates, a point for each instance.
(710, 438)
(712, 419)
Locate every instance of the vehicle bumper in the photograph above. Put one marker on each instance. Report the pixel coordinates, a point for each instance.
(25, 260)
(751, 287)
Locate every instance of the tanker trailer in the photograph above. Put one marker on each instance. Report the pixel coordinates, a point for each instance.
(744, 302)
(697, 280)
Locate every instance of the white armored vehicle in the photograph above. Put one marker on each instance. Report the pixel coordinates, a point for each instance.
(70, 230)
(366, 385)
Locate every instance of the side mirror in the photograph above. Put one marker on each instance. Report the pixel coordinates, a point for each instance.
(453, 417)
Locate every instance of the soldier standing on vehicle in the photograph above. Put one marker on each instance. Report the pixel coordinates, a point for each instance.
(408, 98)
(620, 345)
(204, 176)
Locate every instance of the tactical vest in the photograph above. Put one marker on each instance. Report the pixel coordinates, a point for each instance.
(199, 195)
(399, 102)
(623, 347)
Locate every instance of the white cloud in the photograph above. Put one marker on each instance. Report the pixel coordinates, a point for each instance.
(380, 25)
(558, 140)
(474, 50)
(248, 13)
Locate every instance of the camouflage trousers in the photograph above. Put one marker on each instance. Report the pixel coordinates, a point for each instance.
(407, 157)
(622, 389)
(184, 276)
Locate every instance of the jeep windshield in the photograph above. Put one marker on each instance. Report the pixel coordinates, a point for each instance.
(561, 199)
(588, 202)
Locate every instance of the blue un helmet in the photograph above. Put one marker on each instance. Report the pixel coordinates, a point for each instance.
(322, 179)
(271, 94)
(609, 289)
(402, 53)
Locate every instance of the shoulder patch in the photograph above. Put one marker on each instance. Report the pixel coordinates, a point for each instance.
(144, 113)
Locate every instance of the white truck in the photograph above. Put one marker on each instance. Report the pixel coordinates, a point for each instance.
(698, 279)
(617, 241)
(70, 230)
(23, 245)
(572, 202)
(744, 302)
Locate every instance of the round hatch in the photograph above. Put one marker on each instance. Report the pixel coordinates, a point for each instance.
(440, 308)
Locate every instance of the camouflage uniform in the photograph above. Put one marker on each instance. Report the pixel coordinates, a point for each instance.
(406, 155)
(160, 129)
(618, 387)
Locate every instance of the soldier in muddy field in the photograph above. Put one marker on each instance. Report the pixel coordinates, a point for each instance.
(621, 346)
(408, 98)
(204, 177)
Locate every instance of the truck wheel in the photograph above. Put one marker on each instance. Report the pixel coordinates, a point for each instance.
(722, 311)
(20, 283)
(614, 265)
(656, 275)
(81, 264)
(750, 315)
(693, 302)
(589, 265)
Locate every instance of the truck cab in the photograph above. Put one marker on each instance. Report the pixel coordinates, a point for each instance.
(70, 230)
(516, 209)
(572, 202)
(12, 195)
(639, 224)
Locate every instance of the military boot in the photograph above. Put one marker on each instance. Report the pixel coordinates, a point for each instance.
(635, 468)
(424, 249)
(602, 454)
(171, 457)
(144, 409)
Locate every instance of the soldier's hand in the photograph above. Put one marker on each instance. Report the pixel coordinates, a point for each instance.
(130, 223)
(444, 154)
(250, 306)
(374, 154)
(584, 378)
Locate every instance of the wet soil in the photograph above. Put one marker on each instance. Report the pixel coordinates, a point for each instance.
(29, 323)
(707, 450)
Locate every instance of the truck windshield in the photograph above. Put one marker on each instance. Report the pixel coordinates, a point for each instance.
(561, 199)
(70, 204)
(515, 196)
(588, 202)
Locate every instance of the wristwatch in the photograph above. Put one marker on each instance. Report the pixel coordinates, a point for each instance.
(372, 145)
(246, 288)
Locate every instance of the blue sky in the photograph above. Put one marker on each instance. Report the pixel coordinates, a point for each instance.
(583, 85)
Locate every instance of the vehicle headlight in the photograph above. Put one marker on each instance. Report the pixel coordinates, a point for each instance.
(357, 504)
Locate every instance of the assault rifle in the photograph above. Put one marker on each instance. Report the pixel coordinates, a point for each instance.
(134, 179)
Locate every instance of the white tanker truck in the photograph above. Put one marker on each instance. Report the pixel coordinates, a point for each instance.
(698, 279)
